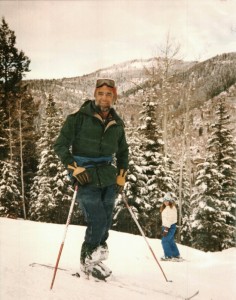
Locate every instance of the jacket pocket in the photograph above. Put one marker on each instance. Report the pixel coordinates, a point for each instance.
(107, 175)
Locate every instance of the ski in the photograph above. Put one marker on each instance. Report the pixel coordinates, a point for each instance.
(76, 274)
(46, 266)
(172, 260)
(112, 280)
(195, 294)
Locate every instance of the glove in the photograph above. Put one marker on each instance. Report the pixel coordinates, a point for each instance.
(120, 181)
(79, 173)
(165, 231)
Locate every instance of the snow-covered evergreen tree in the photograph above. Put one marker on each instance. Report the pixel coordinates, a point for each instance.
(213, 201)
(155, 176)
(13, 66)
(222, 148)
(10, 197)
(13, 129)
(122, 220)
(50, 194)
(209, 222)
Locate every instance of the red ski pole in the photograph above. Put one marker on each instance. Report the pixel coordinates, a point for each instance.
(142, 233)
(64, 236)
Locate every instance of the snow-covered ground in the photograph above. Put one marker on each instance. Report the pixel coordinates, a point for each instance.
(136, 275)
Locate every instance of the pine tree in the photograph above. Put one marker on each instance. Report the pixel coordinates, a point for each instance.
(209, 226)
(222, 147)
(50, 195)
(122, 221)
(155, 176)
(13, 63)
(214, 212)
(10, 197)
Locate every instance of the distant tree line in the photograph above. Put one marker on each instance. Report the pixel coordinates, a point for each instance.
(34, 184)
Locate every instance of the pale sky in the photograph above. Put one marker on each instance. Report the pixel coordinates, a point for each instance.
(73, 38)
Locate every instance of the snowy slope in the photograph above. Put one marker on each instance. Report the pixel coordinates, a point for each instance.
(136, 274)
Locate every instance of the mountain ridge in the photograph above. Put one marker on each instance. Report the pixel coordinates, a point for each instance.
(209, 78)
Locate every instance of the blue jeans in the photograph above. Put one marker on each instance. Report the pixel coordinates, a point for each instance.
(97, 205)
(168, 243)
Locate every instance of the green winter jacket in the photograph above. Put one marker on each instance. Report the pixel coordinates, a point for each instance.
(84, 134)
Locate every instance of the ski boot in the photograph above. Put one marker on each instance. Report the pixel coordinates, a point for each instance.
(91, 262)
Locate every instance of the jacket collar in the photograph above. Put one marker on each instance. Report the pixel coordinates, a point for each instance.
(89, 108)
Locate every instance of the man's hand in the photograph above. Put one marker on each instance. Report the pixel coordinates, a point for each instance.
(120, 181)
(79, 173)
(165, 231)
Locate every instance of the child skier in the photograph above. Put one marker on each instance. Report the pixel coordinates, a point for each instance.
(169, 220)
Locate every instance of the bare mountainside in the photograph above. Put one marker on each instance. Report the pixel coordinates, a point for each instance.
(69, 93)
(209, 79)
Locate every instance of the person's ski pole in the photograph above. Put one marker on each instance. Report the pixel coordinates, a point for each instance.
(142, 233)
(64, 236)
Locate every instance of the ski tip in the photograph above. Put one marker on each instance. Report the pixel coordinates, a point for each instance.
(76, 274)
(195, 294)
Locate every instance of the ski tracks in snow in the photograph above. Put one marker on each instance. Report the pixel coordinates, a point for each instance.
(136, 290)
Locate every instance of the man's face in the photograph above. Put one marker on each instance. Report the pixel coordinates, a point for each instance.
(104, 97)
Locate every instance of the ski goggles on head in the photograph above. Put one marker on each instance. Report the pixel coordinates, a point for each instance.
(109, 82)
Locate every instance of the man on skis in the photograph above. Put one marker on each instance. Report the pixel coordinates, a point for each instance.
(92, 146)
